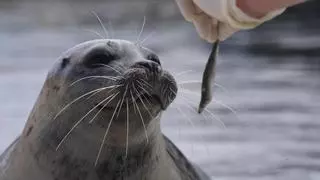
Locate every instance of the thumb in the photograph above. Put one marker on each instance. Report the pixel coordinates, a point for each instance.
(187, 8)
(206, 27)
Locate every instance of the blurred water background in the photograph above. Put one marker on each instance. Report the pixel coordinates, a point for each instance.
(270, 78)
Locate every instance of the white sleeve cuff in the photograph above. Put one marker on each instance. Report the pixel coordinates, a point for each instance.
(240, 20)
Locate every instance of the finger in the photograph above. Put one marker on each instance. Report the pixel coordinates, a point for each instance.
(197, 10)
(213, 34)
(225, 31)
(206, 27)
(187, 8)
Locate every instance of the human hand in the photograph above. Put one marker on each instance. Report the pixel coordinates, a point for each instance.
(219, 19)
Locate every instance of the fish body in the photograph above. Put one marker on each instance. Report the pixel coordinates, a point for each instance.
(208, 78)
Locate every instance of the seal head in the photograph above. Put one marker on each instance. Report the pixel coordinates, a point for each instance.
(98, 117)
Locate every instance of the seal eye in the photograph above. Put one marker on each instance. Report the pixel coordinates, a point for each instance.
(99, 57)
(154, 58)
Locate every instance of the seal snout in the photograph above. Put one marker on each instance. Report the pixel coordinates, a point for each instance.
(153, 67)
(149, 81)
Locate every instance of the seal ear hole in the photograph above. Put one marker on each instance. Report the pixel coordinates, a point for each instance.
(154, 58)
(65, 62)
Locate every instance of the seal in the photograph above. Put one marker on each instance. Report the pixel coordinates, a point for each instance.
(98, 118)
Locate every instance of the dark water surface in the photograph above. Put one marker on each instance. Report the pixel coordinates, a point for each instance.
(272, 131)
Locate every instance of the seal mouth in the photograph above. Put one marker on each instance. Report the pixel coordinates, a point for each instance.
(147, 97)
(158, 99)
(141, 99)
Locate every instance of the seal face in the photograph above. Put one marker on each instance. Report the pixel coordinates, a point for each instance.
(98, 117)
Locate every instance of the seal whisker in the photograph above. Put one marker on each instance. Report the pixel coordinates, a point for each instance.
(215, 117)
(165, 89)
(218, 102)
(226, 106)
(143, 89)
(120, 66)
(220, 86)
(192, 109)
(186, 91)
(146, 83)
(111, 29)
(142, 85)
(184, 72)
(103, 27)
(147, 37)
(94, 32)
(134, 107)
(192, 124)
(127, 139)
(102, 108)
(78, 122)
(77, 99)
(199, 82)
(147, 99)
(141, 31)
(189, 106)
(124, 95)
(144, 126)
(101, 89)
(113, 78)
(112, 96)
(93, 94)
(206, 110)
(105, 65)
(142, 102)
(187, 117)
(170, 94)
(105, 135)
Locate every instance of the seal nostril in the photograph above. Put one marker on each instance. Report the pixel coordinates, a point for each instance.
(99, 57)
(154, 58)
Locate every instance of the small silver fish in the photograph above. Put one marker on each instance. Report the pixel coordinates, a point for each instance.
(208, 77)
